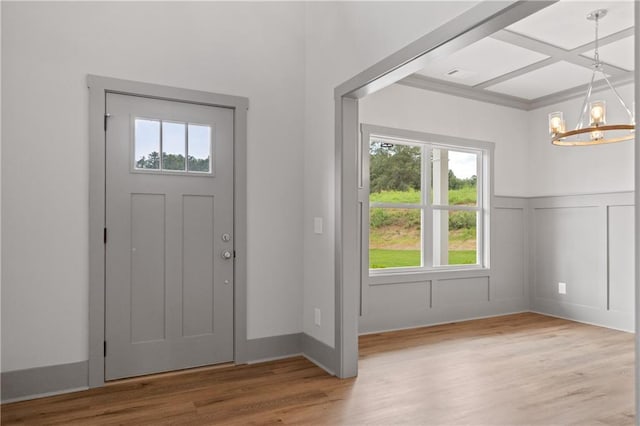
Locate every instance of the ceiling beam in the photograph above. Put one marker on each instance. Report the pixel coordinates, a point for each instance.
(555, 54)
(611, 38)
(517, 73)
(456, 89)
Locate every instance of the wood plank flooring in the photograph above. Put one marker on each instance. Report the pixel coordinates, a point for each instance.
(511, 370)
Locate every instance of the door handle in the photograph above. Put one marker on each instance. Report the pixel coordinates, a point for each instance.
(226, 255)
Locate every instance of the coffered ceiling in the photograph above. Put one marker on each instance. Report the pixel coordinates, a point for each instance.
(542, 59)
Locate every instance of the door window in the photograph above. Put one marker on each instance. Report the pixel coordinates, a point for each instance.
(172, 147)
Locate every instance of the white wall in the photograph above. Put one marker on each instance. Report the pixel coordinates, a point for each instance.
(410, 108)
(343, 39)
(287, 58)
(246, 49)
(554, 170)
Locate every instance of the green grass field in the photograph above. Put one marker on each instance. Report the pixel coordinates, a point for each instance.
(394, 234)
(383, 258)
(463, 196)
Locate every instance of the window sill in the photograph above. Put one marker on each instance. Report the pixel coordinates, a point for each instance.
(403, 276)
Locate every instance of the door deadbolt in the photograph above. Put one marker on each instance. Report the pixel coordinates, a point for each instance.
(226, 238)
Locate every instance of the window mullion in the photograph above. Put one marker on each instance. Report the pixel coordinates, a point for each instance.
(395, 205)
(161, 145)
(480, 194)
(186, 147)
(427, 212)
(450, 207)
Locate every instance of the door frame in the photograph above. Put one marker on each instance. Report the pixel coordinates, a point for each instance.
(477, 23)
(99, 87)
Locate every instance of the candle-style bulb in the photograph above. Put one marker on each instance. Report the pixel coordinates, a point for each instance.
(556, 123)
(598, 112)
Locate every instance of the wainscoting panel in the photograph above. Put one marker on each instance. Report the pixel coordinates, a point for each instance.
(397, 305)
(585, 241)
(621, 259)
(508, 254)
(465, 291)
(413, 300)
(570, 246)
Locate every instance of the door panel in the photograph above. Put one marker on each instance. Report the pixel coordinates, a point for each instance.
(197, 252)
(147, 267)
(169, 292)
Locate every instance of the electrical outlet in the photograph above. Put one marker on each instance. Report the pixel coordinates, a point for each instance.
(317, 317)
(562, 288)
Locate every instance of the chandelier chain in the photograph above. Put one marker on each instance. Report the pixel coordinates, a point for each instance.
(596, 55)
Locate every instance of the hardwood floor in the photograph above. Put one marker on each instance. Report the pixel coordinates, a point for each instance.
(516, 369)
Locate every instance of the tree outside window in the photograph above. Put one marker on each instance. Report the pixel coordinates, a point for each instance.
(425, 204)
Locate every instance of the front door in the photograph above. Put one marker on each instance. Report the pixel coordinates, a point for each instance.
(169, 243)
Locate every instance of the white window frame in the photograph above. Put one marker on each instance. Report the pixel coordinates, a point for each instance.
(162, 170)
(428, 142)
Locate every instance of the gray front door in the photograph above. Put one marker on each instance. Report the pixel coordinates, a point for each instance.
(169, 247)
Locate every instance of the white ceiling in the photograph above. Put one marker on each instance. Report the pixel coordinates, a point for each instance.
(618, 53)
(544, 81)
(564, 24)
(474, 68)
(539, 59)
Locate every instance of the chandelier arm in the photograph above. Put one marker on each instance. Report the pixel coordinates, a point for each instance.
(613, 89)
(585, 105)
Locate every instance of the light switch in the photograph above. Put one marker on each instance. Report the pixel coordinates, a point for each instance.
(317, 225)
(562, 288)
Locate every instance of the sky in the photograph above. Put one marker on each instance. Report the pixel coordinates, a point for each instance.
(463, 164)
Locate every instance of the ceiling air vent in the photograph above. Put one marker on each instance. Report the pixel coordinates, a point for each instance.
(459, 73)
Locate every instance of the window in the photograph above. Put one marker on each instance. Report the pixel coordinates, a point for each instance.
(185, 147)
(427, 201)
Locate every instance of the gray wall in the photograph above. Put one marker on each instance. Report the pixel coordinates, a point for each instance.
(391, 302)
(585, 241)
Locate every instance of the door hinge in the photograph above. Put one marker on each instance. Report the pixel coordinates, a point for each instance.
(105, 348)
(106, 115)
(105, 235)
(234, 254)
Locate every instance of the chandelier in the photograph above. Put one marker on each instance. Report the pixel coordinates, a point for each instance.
(592, 127)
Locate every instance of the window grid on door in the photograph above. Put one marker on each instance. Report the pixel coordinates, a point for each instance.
(173, 147)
